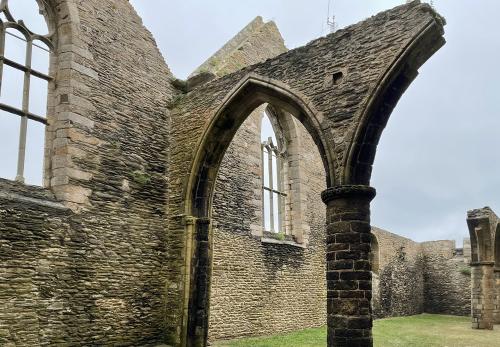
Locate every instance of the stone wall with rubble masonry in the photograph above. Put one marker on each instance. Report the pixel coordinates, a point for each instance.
(83, 261)
(412, 278)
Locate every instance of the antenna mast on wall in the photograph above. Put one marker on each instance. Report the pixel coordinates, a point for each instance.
(330, 20)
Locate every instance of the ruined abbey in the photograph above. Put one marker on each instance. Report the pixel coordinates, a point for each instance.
(167, 218)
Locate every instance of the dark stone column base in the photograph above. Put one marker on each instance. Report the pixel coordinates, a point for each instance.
(348, 266)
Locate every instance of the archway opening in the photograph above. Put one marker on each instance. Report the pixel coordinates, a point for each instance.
(258, 240)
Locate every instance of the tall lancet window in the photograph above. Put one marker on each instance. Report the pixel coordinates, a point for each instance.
(273, 195)
(25, 46)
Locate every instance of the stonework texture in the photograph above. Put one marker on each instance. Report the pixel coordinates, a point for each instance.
(81, 262)
(447, 279)
(399, 289)
(132, 238)
(431, 277)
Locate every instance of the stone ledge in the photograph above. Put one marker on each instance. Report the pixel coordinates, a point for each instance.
(281, 242)
(10, 186)
(28, 195)
(23, 200)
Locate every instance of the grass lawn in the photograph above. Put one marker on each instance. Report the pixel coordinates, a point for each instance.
(426, 330)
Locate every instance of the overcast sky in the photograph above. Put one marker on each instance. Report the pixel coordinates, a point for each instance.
(438, 156)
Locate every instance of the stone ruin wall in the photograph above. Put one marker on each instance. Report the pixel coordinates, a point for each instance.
(431, 277)
(259, 288)
(447, 278)
(399, 282)
(93, 276)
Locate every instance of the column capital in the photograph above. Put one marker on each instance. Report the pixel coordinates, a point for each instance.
(348, 191)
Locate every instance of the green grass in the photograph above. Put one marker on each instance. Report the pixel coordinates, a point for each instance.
(423, 330)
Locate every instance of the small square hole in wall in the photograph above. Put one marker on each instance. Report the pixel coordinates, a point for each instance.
(337, 78)
(64, 98)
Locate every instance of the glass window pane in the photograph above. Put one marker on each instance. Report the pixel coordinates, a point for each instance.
(40, 57)
(9, 144)
(265, 167)
(38, 96)
(12, 87)
(35, 144)
(15, 46)
(267, 211)
(3, 18)
(267, 129)
(275, 173)
(30, 14)
(276, 212)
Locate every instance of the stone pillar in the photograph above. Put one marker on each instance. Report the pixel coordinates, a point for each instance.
(496, 313)
(197, 331)
(483, 292)
(348, 267)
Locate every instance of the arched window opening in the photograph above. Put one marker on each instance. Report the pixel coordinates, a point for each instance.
(273, 193)
(25, 51)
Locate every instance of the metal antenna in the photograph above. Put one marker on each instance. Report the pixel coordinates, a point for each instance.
(330, 21)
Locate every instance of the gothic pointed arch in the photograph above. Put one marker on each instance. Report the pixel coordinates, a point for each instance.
(380, 103)
(250, 93)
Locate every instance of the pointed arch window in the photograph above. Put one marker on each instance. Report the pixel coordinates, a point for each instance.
(24, 77)
(273, 194)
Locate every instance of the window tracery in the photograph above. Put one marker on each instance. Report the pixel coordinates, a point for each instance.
(272, 183)
(24, 79)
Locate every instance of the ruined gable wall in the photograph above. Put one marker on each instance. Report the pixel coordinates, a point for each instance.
(261, 288)
(94, 276)
(447, 279)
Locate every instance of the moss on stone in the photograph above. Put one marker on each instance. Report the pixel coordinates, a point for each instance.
(140, 177)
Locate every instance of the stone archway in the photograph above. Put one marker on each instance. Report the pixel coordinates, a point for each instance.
(249, 95)
(342, 88)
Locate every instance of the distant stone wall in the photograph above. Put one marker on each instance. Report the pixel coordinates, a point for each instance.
(399, 286)
(413, 278)
(447, 279)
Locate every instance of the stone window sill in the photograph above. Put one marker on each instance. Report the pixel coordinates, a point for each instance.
(28, 195)
(281, 242)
